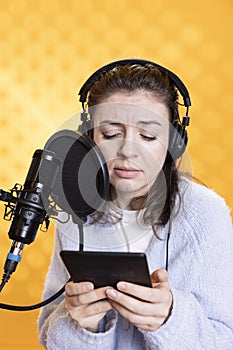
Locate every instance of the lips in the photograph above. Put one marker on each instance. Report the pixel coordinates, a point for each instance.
(126, 172)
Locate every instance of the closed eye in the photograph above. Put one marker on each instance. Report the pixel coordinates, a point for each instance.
(115, 135)
(148, 138)
(111, 136)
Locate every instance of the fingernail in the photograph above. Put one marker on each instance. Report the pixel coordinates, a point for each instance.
(88, 287)
(121, 286)
(111, 293)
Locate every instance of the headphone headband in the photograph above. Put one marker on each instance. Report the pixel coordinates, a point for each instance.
(96, 75)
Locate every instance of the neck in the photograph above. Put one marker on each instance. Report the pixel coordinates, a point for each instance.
(129, 202)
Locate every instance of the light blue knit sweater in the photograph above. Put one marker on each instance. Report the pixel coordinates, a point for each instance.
(200, 275)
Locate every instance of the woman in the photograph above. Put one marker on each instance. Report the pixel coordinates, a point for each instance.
(133, 109)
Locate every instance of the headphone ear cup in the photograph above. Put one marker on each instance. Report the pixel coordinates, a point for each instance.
(85, 127)
(178, 141)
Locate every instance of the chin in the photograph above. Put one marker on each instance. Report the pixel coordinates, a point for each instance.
(123, 186)
(129, 188)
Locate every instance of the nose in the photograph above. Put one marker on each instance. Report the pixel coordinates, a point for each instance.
(127, 148)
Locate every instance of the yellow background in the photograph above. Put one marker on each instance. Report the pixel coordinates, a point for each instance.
(48, 49)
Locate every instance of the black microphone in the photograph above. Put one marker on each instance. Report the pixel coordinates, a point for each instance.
(30, 210)
(70, 173)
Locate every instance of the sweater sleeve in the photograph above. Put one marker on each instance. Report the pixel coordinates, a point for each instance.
(57, 330)
(202, 315)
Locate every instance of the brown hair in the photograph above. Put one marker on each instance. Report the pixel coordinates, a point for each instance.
(128, 79)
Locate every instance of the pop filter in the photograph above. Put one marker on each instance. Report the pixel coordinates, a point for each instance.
(82, 182)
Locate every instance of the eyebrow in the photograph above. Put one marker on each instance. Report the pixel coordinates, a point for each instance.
(149, 122)
(143, 122)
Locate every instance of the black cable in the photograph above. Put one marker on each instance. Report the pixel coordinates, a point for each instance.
(5, 279)
(81, 235)
(170, 219)
(50, 299)
(167, 243)
(35, 306)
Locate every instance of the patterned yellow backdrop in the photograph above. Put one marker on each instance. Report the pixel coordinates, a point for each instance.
(47, 50)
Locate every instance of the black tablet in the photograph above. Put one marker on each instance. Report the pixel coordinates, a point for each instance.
(107, 268)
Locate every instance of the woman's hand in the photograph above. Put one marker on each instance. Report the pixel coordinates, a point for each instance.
(85, 304)
(154, 306)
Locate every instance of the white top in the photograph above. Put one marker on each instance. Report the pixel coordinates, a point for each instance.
(127, 235)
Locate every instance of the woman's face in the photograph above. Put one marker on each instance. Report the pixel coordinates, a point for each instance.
(132, 132)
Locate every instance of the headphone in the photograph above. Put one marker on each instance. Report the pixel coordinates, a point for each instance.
(178, 134)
